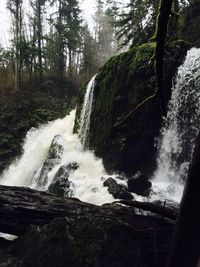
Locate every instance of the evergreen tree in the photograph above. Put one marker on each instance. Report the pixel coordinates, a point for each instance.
(135, 24)
(38, 7)
(15, 7)
(104, 34)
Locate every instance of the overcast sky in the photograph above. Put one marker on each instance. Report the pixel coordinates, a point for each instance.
(88, 7)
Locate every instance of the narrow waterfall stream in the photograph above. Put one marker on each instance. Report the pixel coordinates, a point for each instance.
(179, 131)
(86, 113)
(37, 167)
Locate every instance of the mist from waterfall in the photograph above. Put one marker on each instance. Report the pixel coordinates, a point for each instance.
(179, 131)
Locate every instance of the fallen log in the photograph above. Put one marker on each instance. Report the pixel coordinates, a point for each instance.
(170, 213)
(20, 207)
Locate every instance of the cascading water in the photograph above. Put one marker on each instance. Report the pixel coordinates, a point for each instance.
(37, 167)
(86, 113)
(53, 148)
(179, 131)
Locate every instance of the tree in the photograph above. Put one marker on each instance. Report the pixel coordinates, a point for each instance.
(135, 23)
(104, 34)
(15, 7)
(185, 250)
(89, 64)
(67, 23)
(38, 7)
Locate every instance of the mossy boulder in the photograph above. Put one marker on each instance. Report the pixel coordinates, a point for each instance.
(121, 84)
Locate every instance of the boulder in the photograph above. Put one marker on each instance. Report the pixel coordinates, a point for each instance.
(53, 158)
(139, 184)
(61, 184)
(117, 190)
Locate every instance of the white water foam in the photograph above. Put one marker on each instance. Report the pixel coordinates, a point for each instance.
(179, 131)
(87, 180)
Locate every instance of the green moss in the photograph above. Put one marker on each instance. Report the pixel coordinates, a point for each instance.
(121, 84)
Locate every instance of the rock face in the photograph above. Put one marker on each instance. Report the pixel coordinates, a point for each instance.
(121, 84)
(117, 190)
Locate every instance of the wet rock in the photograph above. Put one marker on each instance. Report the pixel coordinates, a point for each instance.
(61, 188)
(73, 166)
(139, 184)
(53, 158)
(61, 185)
(56, 148)
(117, 190)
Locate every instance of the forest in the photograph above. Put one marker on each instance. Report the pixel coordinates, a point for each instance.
(99, 133)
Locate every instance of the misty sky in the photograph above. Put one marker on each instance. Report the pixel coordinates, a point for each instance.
(86, 5)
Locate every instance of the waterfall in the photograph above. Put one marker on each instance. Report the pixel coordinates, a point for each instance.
(179, 131)
(86, 113)
(53, 147)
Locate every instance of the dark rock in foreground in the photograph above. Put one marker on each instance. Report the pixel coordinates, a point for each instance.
(117, 190)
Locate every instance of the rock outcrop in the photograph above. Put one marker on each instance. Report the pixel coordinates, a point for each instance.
(121, 84)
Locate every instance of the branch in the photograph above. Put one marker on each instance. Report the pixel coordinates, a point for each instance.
(170, 213)
(131, 113)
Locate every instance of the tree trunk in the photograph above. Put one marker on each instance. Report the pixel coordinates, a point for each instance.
(20, 207)
(161, 32)
(39, 39)
(17, 50)
(185, 248)
(60, 69)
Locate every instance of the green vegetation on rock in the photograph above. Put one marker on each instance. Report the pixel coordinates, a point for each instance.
(121, 84)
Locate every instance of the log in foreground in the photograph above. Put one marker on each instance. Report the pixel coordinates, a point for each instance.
(21, 207)
(170, 213)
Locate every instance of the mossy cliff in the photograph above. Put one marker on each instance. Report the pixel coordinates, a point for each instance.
(121, 84)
